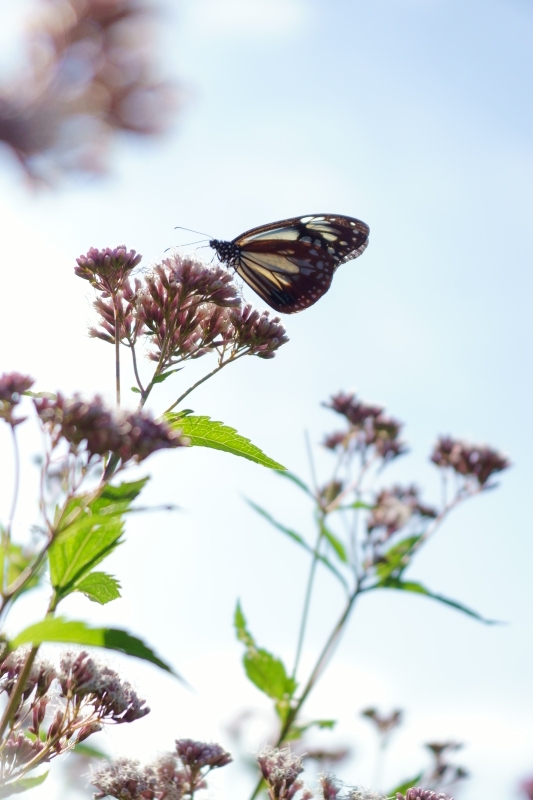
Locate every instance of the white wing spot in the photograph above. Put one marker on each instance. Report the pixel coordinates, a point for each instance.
(305, 220)
(331, 251)
(313, 251)
(318, 242)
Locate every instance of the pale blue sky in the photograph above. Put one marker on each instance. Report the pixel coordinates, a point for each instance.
(414, 115)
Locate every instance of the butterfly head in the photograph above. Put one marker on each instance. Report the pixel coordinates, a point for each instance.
(228, 252)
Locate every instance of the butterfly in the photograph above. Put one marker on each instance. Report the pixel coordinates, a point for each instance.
(290, 263)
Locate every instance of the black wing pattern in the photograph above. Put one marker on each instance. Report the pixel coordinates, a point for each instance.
(290, 264)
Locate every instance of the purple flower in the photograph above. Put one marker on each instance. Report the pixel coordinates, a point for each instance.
(394, 508)
(368, 427)
(422, 794)
(199, 754)
(131, 435)
(257, 333)
(12, 387)
(471, 461)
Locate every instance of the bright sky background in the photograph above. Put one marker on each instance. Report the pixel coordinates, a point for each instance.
(415, 116)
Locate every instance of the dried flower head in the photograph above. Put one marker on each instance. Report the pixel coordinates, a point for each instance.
(385, 723)
(88, 74)
(184, 309)
(422, 794)
(198, 755)
(83, 678)
(280, 769)
(124, 779)
(108, 269)
(12, 387)
(42, 673)
(369, 427)
(18, 750)
(131, 435)
(471, 461)
(329, 786)
(257, 333)
(122, 309)
(394, 508)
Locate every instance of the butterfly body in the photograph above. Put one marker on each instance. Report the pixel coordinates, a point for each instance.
(290, 263)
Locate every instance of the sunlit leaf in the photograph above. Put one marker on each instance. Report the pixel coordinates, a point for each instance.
(418, 588)
(91, 530)
(22, 785)
(403, 787)
(336, 544)
(76, 632)
(263, 669)
(296, 480)
(99, 587)
(205, 432)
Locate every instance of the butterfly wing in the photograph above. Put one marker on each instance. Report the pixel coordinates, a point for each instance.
(290, 264)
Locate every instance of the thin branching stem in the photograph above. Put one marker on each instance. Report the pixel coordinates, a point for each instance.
(117, 350)
(6, 533)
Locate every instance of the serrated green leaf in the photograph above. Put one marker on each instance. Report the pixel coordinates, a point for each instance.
(418, 588)
(396, 559)
(99, 587)
(403, 787)
(90, 527)
(22, 785)
(336, 544)
(76, 632)
(263, 669)
(296, 537)
(296, 480)
(205, 432)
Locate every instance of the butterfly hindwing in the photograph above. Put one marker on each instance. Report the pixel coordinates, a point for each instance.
(290, 264)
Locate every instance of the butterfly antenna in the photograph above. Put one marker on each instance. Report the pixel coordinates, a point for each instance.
(200, 233)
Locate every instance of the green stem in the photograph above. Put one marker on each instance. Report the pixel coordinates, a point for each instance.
(6, 533)
(198, 383)
(323, 659)
(117, 355)
(14, 700)
(307, 602)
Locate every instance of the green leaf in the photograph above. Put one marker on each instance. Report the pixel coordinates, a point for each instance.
(403, 787)
(19, 559)
(77, 632)
(22, 785)
(295, 479)
(356, 504)
(396, 559)
(88, 751)
(336, 544)
(296, 537)
(418, 588)
(263, 669)
(99, 587)
(134, 389)
(297, 731)
(164, 375)
(91, 527)
(205, 432)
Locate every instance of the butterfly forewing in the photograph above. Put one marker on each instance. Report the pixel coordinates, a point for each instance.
(290, 263)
